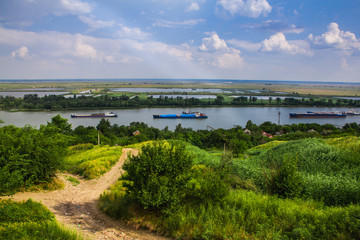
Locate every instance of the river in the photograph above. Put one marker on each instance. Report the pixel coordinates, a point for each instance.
(218, 117)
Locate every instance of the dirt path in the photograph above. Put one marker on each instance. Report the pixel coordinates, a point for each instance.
(77, 206)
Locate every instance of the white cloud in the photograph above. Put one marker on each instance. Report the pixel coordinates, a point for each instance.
(230, 59)
(213, 43)
(335, 38)
(75, 6)
(174, 24)
(132, 33)
(22, 53)
(278, 43)
(218, 53)
(247, 8)
(95, 24)
(249, 46)
(85, 51)
(194, 6)
(275, 26)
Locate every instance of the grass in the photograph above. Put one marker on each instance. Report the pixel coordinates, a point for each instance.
(329, 172)
(244, 214)
(73, 180)
(54, 184)
(91, 161)
(31, 220)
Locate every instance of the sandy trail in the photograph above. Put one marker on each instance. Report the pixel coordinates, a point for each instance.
(77, 206)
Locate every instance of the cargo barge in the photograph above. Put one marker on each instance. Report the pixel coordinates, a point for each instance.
(318, 115)
(94, 115)
(197, 115)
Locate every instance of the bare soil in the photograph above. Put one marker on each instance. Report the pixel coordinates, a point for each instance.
(76, 206)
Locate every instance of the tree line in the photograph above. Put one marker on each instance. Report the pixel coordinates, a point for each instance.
(54, 102)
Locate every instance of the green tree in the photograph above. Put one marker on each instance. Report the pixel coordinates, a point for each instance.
(158, 175)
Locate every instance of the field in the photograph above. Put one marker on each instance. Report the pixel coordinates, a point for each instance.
(103, 86)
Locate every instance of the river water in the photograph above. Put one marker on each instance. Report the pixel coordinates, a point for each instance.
(218, 117)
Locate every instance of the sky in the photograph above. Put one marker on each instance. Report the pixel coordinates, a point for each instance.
(293, 40)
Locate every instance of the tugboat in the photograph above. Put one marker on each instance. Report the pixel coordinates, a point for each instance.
(94, 115)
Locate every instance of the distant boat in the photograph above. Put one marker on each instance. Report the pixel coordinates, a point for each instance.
(318, 115)
(94, 115)
(185, 114)
(352, 113)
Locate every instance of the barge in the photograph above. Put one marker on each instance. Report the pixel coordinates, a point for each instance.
(94, 115)
(318, 115)
(197, 115)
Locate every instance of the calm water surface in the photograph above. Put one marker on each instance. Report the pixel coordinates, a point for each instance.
(219, 117)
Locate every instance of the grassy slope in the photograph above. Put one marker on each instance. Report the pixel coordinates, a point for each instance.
(31, 220)
(91, 161)
(245, 214)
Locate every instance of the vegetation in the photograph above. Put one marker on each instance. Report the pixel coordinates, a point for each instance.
(91, 161)
(31, 220)
(29, 156)
(53, 102)
(311, 194)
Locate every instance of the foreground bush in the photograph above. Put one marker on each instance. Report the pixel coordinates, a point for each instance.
(29, 156)
(157, 175)
(31, 220)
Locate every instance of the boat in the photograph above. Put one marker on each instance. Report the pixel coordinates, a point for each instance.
(318, 115)
(352, 113)
(185, 114)
(94, 115)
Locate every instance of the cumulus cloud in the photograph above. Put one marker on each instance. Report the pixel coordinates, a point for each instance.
(95, 24)
(194, 6)
(278, 43)
(230, 59)
(132, 33)
(219, 54)
(247, 8)
(22, 53)
(174, 24)
(213, 43)
(85, 51)
(75, 6)
(335, 38)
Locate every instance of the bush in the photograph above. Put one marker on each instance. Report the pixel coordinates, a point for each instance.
(158, 175)
(29, 156)
(205, 184)
(282, 177)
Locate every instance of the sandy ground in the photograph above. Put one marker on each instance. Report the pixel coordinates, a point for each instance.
(76, 206)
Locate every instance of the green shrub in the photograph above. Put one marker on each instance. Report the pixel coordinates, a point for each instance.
(282, 177)
(205, 184)
(29, 156)
(157, 174)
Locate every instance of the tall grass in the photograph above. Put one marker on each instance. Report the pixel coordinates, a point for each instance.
(246, 215)
(31, 220)
(91, 162)
(330, 172)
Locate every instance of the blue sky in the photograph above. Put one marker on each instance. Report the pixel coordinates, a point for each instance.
(311, 40)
